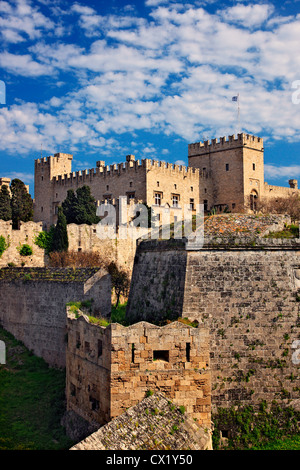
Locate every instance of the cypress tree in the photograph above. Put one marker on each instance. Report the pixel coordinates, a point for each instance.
(21, 203)
(5, 207)
(80, 208)
(60, 234)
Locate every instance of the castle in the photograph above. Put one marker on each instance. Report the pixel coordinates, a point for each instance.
(228, 173)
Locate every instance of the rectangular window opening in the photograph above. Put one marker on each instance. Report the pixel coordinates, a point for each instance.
(132, 353)
(162, 355)
(188, 352)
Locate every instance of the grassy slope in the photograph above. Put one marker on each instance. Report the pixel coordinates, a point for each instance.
(31, 401)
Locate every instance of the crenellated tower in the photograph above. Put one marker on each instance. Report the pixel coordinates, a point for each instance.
(236, 165)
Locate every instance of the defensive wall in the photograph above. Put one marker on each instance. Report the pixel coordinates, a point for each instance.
(246, 292)
(110, 369)
(33, 305)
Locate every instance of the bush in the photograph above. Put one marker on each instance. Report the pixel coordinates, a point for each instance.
(25, 250)
(44, 240)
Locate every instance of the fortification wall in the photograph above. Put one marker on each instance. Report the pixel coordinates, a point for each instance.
(16, 238)
(111, 369)
(33, 305)
(247, 296)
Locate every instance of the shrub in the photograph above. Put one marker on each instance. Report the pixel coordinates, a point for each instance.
(25, 250)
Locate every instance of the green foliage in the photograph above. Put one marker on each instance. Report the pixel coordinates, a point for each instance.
(25, 250)
(3, 245)
(5, 205)
(251, 428)
(290, 231)
(31, 400)
(45, 240)
(80, 208)
(21, 203)
(119, 280)
(60, 241)
(118, 314)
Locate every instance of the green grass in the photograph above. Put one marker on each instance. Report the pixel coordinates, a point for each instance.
(32, 401)
(290, 443)
(291, 231)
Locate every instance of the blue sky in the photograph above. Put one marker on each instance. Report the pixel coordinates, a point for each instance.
(102, 79)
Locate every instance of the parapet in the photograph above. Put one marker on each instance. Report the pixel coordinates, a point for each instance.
(215, 145)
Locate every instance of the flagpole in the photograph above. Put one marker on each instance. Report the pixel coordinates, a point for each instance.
(239, 124)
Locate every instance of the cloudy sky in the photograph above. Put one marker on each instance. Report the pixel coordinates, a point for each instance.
(101, 79)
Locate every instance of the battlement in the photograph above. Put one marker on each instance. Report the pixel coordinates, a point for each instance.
(225, 143)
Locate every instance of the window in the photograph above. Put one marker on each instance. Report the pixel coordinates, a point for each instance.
(205, 203)
(161, 356)
(192, 204)
(42, 178)
(107, 187)
(205, 190)
(42, 209)
(130, 184)
(192, 189)
(158, 198)
(175, 186)
(253, 166)
(157, 184)
(188, 351)
(175, 200)
(233, 205)
(130, 197)
(227, 166)
(86, 346)
(95, 403)
(132, 353)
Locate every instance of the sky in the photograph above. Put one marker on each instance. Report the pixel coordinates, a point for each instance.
(104, 79)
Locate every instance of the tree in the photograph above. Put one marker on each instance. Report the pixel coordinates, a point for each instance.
(5, 206)
(119, 280)
(60, 235)
(80, 208)
(21, 203)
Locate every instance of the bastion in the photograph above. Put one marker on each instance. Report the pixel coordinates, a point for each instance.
(246, 292)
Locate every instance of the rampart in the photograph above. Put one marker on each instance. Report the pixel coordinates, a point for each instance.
(246, 292)
(33, 305)
(110, 369)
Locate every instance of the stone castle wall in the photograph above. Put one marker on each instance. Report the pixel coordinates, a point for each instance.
(248, 298)
(16, 238)
(111, 369)
(33, 305)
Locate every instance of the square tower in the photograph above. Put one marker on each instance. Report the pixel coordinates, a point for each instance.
(236, 166)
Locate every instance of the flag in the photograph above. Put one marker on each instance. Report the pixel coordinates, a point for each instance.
(234, 98)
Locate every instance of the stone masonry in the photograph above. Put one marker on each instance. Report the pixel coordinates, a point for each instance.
(246, 292)
(110, 369)
(228, 173)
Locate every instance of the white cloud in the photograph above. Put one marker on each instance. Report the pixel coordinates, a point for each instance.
(252, 15)
(23, 65)
(279, 172)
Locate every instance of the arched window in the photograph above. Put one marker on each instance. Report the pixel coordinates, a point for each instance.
(253, 200)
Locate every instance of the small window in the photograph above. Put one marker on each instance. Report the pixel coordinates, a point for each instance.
(130, 184)
(233, 205)
(42, 178)
(42, 209)
(132, 353)
(107, 187)
(157, 184)
(192, 189)
(175, 186)
(188, 352)
(205, 190)
(192, 204)
(205, 203)
(253, 166)
(161, 356)
(227, 166)
(95, 403)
